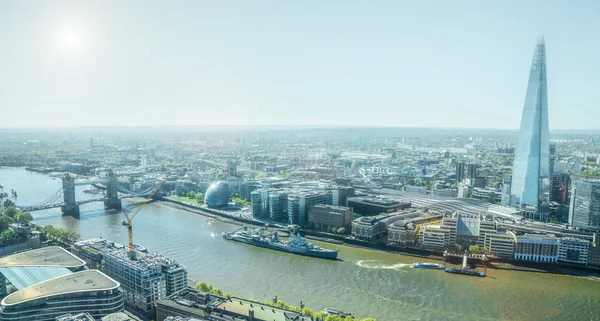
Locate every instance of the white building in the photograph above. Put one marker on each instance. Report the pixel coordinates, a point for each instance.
(573, 250)
(537, 248)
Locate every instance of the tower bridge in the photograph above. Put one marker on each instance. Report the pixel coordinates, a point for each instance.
(69, 205)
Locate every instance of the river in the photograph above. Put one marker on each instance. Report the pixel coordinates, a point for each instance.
(367, 283)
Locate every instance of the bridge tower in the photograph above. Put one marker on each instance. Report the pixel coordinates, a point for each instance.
(71, 207)
(112, 200)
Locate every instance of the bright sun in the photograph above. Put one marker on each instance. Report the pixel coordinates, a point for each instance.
(70, 40)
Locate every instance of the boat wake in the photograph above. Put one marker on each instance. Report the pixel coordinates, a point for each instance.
(374, 264)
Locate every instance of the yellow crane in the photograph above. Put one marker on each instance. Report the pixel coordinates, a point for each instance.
(129, 219)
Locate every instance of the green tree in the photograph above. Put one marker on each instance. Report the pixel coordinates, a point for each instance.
(204, 287)
(10, 211)
(307, 312)
(191, 195)
(5, 220)
(356, 215)
(341, 230)
(458, 247)
(334, 317)
(200, 197)
(474, 248)
(6, 236)
(23, 217)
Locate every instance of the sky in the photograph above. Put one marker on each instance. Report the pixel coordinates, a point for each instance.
(462, 64)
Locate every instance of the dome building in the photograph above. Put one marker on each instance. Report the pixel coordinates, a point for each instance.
(217, 195)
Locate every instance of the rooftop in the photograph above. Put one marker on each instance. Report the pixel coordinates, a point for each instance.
(261, 312)
(25, 276)
(88, 280)
(51, 256)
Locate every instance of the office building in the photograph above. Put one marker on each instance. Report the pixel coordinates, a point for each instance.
(506, 181)
(530, 186)
(536, 248)
(594, 255)
(370, 206)
(500, 243)
(560, 187)
(144, 280)
(552, 151)
(584, 210)
(289, 205)
(322, 216)
(472, 173)
(373, 228)
(460, 171)
(88, 291)
(434, 237)
(573, 250)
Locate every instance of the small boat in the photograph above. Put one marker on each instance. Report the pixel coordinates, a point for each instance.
(468, 272)
(435, 266)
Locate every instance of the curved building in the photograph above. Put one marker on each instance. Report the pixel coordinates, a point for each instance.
(217, 194)
(88, 291)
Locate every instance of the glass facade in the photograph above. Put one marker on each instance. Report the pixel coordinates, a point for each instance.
(217, 194)
(530, 185)
(584, 211)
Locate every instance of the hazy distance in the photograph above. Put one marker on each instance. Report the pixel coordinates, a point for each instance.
(382, 63)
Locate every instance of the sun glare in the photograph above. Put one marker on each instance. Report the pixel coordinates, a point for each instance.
(70, 40)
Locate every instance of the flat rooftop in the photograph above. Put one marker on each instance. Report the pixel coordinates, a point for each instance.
(22, 277)
(261, 312)
(51, 256)
(88, 280)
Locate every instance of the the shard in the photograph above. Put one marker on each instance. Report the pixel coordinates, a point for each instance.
(530, 185)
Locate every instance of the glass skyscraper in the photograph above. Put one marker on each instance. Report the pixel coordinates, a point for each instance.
(530, 185)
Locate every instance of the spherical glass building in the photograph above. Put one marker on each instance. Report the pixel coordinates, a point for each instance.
(217, 195)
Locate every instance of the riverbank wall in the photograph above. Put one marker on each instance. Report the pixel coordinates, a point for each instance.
(560, 268)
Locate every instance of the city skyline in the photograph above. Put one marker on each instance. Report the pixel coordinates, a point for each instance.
(395, 64)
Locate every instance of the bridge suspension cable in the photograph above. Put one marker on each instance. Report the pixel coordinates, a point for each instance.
(52, 201)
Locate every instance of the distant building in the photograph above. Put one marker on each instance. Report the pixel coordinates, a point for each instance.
(573, 250)
(460, 171)
(584, 211)
(560, 187)
(415, 189)
(486, 195)
(536, 248)
(472, 172)
(370, 206)
(506, 181)
(373, 228)
(447, 192)
(289, 205)
(324, 216)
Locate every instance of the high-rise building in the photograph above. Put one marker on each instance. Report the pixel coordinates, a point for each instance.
(584, 211)
(560, 187)
(472, 173)
(530, 185)
(460, 171)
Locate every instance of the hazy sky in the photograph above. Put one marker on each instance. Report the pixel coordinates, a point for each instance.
(391, 63)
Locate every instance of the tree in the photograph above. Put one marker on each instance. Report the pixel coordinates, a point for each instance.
(5, 220)
(474, 248)
(307, 312)
(6, 236)
(10, 211)
(458, 247)
(191, 195)
(341, 230)
(200, 197)
(23, 217)
(334, 317)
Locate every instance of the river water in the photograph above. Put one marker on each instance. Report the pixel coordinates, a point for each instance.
(367, 283)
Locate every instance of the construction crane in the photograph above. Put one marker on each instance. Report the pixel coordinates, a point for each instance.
(129, 219)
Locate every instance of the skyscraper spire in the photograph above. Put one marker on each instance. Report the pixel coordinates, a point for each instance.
(530, 185)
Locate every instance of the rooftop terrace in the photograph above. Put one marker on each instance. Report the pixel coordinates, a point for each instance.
(84, 281)
(52, 256)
